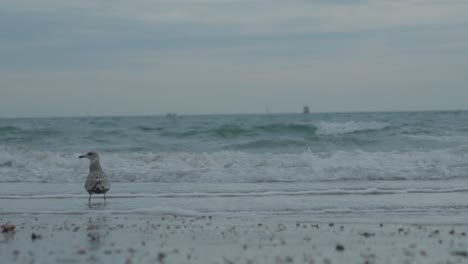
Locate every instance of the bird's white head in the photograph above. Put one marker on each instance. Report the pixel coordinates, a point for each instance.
(92, 156)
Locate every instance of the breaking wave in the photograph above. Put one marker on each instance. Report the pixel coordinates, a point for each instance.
(21, 164)
(283, 129)
(325, 128)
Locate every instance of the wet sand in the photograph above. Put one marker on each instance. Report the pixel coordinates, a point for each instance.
(95, 238)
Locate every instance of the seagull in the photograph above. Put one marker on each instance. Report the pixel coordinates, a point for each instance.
(97, 181)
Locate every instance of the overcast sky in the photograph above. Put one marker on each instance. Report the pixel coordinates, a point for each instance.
(143, 57)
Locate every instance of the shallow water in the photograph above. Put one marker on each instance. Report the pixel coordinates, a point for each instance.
(374, 202)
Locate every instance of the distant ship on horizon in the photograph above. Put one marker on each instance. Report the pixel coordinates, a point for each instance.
(306, 109)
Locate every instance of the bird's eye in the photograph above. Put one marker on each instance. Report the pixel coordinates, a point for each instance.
(89, 153)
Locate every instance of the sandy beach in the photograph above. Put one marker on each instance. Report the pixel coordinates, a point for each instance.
(96, 238)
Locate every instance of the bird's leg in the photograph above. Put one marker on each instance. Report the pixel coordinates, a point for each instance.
(89, 199)
(104, 198)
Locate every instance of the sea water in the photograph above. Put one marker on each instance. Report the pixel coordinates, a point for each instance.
(396, 166)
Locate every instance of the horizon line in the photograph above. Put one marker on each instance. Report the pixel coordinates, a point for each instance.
(230, 114)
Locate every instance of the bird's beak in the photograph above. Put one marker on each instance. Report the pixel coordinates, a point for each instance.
(82, 156)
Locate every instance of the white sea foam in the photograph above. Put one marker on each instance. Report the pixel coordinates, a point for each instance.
(227, 166)
(328, 128)
(369, 191)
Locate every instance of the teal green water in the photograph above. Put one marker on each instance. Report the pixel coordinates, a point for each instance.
(240, 148)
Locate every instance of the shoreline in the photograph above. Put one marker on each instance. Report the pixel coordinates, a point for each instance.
(215, 239)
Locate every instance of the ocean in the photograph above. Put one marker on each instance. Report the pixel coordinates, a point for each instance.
(358, 167)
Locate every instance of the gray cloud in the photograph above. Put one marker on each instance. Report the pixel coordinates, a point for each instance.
(232, 56)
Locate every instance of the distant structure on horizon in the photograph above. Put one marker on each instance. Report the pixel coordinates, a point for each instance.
(171, 115)
(306, 110)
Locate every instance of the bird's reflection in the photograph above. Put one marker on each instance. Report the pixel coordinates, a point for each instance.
(97, 229)
(97, 206)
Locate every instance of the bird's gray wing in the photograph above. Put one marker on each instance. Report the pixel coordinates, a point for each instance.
(99, 183)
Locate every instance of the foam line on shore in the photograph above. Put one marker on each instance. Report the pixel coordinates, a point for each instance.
(137, 211)
(371, 191)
